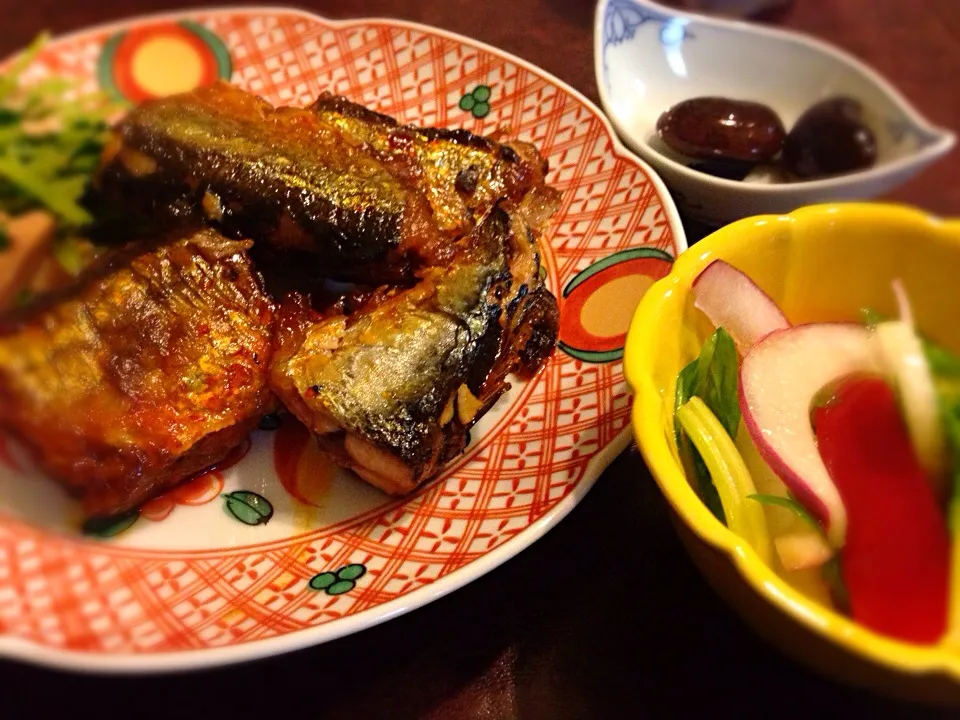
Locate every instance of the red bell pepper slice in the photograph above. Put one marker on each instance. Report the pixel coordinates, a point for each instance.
(895, 563)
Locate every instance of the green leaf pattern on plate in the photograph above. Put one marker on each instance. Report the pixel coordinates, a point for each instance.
(477, 101)
(337, 583)
(108, 527)
(323, 580)
(248, 507)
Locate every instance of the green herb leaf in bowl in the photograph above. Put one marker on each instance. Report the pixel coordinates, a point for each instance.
(712, 377)
(945, 368)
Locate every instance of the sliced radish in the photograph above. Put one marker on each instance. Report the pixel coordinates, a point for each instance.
(779, 379)
(734, 302)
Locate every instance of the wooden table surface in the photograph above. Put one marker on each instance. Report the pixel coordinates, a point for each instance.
(605, 617)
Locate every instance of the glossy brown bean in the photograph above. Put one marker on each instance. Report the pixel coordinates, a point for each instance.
(715, 128)
(830, 138)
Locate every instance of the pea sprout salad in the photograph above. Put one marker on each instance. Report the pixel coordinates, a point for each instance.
(51, 138)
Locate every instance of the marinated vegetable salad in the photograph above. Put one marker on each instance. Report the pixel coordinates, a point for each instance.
(51, 138)
(833, 449)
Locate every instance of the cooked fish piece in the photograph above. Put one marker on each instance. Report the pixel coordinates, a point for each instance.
(461, 174)
(151, 368)
(390, 380)
(530, 319)
(392, 389)
(224, 156)
(374, 199)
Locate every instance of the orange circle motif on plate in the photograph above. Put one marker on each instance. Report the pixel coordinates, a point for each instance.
(598, 303)
(162, 59)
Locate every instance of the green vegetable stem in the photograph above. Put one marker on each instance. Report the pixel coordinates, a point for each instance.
(790, 503)
(729, 473)
(713, 377)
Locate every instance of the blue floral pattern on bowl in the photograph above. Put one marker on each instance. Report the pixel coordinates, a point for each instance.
(622, 18)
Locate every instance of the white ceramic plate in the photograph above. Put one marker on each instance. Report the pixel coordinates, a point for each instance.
(282, 551)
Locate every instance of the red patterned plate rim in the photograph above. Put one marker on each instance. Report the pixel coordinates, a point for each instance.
(181, 660)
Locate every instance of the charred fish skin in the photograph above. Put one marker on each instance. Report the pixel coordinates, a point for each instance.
(151, 368)
(222, 156)
(461, 174)
(394, 385)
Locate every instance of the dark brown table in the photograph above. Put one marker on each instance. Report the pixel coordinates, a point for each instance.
(604, 617)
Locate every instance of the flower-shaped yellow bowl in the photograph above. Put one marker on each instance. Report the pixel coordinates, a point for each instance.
(823, 262)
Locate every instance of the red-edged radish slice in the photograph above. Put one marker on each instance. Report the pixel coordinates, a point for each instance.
(779, 379)
(734, 302)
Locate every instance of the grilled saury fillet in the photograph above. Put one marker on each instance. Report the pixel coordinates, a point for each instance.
(151, 368)
(391, 389)
(281, 175)
(373, 199)
(461, 174)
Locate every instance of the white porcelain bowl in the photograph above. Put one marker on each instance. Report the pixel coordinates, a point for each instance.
(649, 57)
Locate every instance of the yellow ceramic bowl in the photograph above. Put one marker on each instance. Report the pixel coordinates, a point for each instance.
(823, 262)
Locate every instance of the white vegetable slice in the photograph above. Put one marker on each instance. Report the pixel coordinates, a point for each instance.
(806, 548)
(901, 354)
